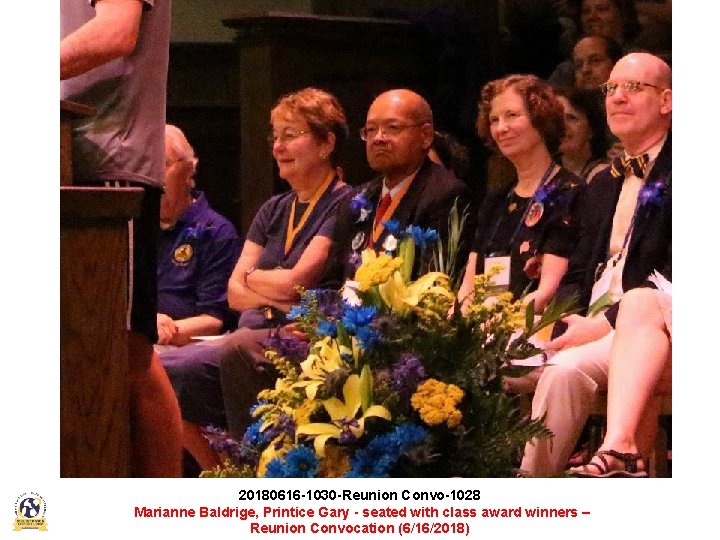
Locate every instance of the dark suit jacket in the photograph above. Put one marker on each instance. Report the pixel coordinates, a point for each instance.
(650, 243)
(427, 204)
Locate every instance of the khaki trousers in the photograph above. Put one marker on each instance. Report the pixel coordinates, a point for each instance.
(565, 395)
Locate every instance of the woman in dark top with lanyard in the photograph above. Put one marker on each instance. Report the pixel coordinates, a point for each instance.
(526, 227)
(288, 245)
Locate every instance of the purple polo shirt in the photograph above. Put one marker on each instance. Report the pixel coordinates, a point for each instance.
(195, 260)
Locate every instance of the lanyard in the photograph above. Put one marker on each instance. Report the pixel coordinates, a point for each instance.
(544, 180)
(629, 231)
(378, 230)
(292, 231)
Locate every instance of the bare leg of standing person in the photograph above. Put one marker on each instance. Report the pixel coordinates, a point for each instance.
(155, 425)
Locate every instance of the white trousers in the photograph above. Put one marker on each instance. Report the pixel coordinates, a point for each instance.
(565, 396)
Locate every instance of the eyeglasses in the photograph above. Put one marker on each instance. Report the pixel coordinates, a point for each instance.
(391, 130)
(286, 136)
(629, 87)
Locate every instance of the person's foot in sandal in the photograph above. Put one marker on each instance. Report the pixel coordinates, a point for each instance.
(613, 464)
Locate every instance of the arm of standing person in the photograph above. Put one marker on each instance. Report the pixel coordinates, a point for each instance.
(111, 34)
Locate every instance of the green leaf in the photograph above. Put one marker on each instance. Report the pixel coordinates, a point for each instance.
(407, 252)
(601, 303)
(365, 387)
(530, 315)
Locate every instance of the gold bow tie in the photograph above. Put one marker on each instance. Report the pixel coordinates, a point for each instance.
(622, 165)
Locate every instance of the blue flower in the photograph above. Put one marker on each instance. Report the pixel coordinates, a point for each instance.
(367, 337)
(393, 227)
(327, 328)
(423, 238)
(300, 462)
(296, 312)
(406, 374)
(290, 347)
(253, 436)
(360, 205)
(357, 317)
(328, 302)
(383, 452)
(652, 193)
(285, 424)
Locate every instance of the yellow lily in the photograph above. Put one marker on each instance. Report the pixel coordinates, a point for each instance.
(343, 416)
(325, 359)
(402, 297)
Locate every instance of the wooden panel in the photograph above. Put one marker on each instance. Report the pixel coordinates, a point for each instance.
(94, 392)
(93, 379)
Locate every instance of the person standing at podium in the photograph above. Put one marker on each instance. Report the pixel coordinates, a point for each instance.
(114, 57)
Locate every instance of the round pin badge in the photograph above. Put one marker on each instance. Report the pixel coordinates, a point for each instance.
(390, 243)
(183, 254)
(358, 240)
(534, 214)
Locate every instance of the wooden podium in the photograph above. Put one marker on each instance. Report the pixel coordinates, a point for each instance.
(94, 395)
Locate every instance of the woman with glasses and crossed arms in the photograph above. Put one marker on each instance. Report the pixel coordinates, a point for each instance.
(288, 245)
(527, 227)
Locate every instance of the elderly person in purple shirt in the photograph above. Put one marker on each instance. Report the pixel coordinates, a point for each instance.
(197, 251)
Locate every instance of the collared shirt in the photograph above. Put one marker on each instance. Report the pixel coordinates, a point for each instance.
(195, 259)
(624, 211)
(399, 187)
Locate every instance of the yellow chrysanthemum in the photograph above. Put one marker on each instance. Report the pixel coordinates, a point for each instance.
(436, 402)
(375, 269)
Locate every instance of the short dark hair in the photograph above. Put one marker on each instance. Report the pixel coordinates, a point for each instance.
(628, 14)
(590, 103)
(545, 110)
(452, 153)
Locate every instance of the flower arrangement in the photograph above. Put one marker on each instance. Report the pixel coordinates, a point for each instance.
(393, 380)
(652, 193)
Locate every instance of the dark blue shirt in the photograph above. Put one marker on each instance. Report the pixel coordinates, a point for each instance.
(195, 260)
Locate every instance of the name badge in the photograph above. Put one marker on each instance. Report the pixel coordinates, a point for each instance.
(501, 280)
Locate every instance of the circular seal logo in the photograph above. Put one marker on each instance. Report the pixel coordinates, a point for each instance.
(183, 254)
(534, 214)
(30, 512)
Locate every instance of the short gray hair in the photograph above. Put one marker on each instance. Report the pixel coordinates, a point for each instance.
(180, 144)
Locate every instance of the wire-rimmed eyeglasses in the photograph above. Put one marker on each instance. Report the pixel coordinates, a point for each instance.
(629, 87)
(390, 130)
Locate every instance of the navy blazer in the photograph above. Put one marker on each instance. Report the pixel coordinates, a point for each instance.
(650, 243)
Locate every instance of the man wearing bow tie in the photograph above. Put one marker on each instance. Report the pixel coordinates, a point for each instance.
(625, 236)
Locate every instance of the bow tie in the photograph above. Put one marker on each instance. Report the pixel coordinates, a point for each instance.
(623, 164)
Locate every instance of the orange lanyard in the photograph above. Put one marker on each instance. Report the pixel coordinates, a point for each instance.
(293, 231)
(378, 230)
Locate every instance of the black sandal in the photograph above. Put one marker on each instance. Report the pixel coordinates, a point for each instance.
(630, 468)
